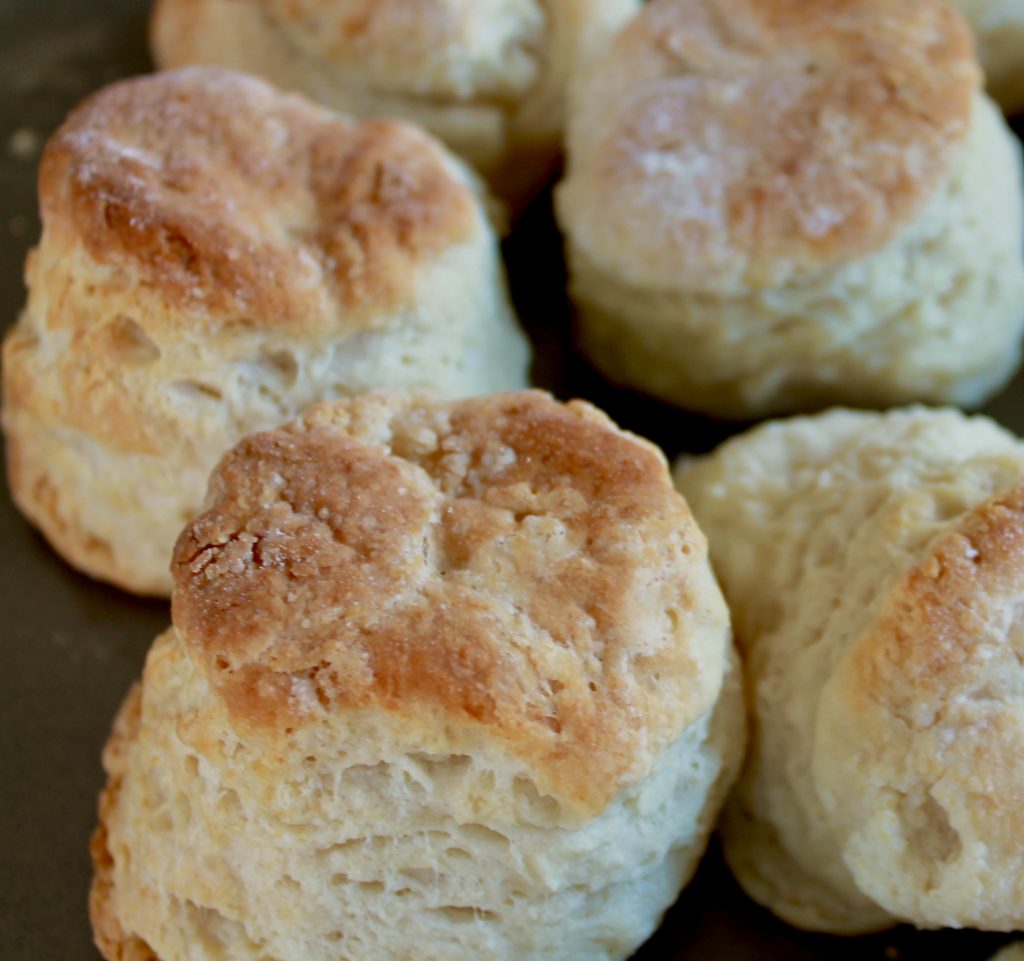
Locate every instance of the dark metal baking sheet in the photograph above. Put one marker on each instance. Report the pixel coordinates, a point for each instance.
(70, 647)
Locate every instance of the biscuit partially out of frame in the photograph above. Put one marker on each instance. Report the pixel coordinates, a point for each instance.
(874, 565)
(769, 209)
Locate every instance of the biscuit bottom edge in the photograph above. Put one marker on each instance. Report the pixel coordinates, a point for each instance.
(770, 876)
(113, 942)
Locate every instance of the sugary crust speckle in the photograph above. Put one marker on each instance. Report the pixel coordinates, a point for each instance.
(489, 77)
(722, 145)
(215, 257)
(937, 620)
(506, 564)
(255, 208)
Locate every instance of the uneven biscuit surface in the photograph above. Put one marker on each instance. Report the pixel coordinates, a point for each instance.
(489, 77)
(771, 210)
(110, 937)
(216, 256)
(724, 145)
(446, 679)
(884, 330)
(873, 563)
(231, 198)
(514, 558)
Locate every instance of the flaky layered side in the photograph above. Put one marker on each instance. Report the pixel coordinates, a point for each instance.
(489, 77)
(446, 680)
(216, 256)
(873, 564)
(767, 211)
(452, 680)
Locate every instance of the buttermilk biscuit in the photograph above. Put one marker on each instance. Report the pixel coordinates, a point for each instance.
(445, 681)
(487, 76)
(216, 256)
(767, 209)
(874, 565)
(999, 30)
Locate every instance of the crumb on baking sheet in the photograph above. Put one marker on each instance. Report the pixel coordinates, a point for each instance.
(23, 143)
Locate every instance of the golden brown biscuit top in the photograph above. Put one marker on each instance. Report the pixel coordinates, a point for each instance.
(724, 144)
(456, 50)
(926, 711)
(507, 566)
(950, 635)
(241, 205)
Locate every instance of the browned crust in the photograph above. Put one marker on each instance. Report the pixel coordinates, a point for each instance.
(924, 648)
(399, 44)
(427, 57)
(237, 204)
(452, 584)
(111, 939)
(777, 134)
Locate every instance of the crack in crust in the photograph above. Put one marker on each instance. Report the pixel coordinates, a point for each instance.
(507, 565)
(231, 197)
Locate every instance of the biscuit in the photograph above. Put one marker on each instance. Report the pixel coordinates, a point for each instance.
(874, 565)
(216, 256)
(999, 32)
(445, 680)
(488, 77)
(767, 211)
